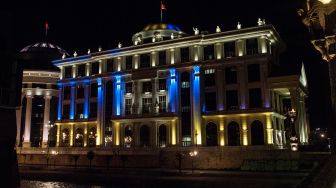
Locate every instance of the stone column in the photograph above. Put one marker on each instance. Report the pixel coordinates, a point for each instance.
(174, 133)
(85, 134)
(26, 141)
(73, 102)
(242, 87)
(154, 96)
(58, 135)
(196, 106)
(46, 121)
(221, 131)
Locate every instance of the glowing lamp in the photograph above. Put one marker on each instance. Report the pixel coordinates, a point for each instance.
(325, 1)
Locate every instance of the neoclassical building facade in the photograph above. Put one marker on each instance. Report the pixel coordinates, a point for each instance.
(38, 111)
(174, 89)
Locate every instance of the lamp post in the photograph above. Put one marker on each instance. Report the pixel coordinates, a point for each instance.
(319, 17)
(192, 155)
(293, 140)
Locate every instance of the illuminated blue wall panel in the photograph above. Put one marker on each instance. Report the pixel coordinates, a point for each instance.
(73, 101)
(117, 95)
(172, 90)
(59, 113)
(196, 85)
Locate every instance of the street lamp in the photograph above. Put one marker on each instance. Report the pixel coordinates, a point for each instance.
(293, 140)
(192, 155)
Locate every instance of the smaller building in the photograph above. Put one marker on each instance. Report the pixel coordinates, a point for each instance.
(38, 111)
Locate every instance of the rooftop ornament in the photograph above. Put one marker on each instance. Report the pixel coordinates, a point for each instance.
(261, 22)
(119, 45)
(196, 31)
(75, 54)
(63, 56)
(89, 51)
(99, 49)
(238, 26)
(218, 29)
(172, 36)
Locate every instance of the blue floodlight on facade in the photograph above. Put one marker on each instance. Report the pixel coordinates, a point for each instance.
(117, 93)
(172, 90)
(59, 113)
(73, 100)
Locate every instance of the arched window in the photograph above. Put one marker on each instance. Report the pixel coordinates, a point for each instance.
(162, 136)
(233, 134)
(92, 137)
(128, 136)
(211, 134)
(79, 141)
(144, 136)
(257, 133)
(65, 137)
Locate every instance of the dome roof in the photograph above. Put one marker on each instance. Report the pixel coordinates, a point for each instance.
(157, 32)
(43, 46)
(161, 26)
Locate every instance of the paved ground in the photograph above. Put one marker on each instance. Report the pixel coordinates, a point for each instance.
(158, 178)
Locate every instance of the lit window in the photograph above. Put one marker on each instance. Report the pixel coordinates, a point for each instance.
(185, 84)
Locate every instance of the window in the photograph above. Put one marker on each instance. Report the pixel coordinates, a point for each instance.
(146, 105)
(66, 111)
(93, 110)
(94, 90)
(185, 85)
(252, 46)
(129, 87)
(253, 71)
(230, 75)
(68, 72)
(128, 106)
(232, 100)
(80, 92)
(67, 93)
(109, 65)
(94, 68)
(184, 55)
(230, 49)
(81, 70)
(186, 141)
(79, 110)
(162, 103)
(210, 77)
(144, 60)
(146, 87)
(129, 60)
(210, 101)
(162, 57)
(162, 84)
(255, 98)
(209, 52)
(42, 86)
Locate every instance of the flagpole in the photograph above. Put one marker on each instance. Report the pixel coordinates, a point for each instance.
(161, 10)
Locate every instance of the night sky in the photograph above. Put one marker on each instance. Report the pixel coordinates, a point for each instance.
(79, 25)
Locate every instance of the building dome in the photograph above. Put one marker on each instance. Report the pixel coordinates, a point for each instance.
(38, 56)
(157, 32)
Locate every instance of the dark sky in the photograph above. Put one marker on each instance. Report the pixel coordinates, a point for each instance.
(79, 25)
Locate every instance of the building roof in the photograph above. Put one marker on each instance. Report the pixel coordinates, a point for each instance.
(161, 26)
(43, 46)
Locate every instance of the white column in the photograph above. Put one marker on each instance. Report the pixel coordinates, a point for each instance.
(46, 119)
(26, 141)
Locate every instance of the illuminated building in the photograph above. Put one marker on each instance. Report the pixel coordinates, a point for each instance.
(174, 89)
(39, 94)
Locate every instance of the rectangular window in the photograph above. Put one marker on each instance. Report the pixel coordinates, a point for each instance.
(79, 111)
(42, 86)
(253, 72)
(66, 111)
(210, 78)
(94, 68)
(109, 65)
(162, 57)
(144, 60)
(185, 85)
(162, 84)
(230, 49)
(128, 106)
(80, 92)
(93, 110)
(255, 98)
(68, 72)
(209, 52)
(252, 46)
(81, 70)
(129, 87)
(146, 105)
(146, 87)
(162, 103)
(67, 93)
(230, 75)
(232, 100)
(185, 56)
(94, 90)
(129, 61)
(210, 101)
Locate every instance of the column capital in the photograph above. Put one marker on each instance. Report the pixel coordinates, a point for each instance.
(47, 97)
